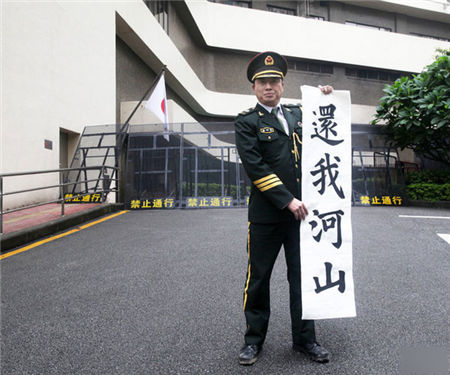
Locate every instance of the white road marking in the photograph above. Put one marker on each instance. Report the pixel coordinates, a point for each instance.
(444, 236)
(426, 217)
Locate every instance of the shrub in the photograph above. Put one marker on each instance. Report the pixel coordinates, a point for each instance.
(428, 176)
(429, 191)
(416, 111)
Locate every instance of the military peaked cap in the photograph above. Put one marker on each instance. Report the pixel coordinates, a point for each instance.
(266, 64)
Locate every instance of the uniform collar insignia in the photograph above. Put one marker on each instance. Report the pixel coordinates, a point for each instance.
(260, 113)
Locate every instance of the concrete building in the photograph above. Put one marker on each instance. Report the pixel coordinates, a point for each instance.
(67, 65)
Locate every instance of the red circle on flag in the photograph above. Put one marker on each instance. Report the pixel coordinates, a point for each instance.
(163, 106)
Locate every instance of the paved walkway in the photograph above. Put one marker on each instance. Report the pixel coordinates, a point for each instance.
(31, 217)
(160, 293)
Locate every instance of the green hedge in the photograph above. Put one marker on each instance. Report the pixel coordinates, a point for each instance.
(428, 177)
(429, 185)
(429, 192)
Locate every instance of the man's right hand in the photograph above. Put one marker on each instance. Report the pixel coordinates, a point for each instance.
(298, 208)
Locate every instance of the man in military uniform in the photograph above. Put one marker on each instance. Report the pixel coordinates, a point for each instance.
(268, 139)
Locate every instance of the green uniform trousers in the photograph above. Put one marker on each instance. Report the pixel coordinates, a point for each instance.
(264, 244)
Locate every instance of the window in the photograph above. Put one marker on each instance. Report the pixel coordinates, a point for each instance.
(282, 10)
(319, 18)
(394, 76)
(361, 73)
(373, 27)
(314, 68)
(299, 65)
(383, 76)
(373, 74)
(291, 65)
(160, 10)
(350, 72)
(328, 69)
(242, 4)
(237, 3)
(307, 66)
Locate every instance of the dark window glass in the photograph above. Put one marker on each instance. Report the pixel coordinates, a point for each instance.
(381, 28)
(314, 68)
(372, 74)
(302, 66)
(282, 10)
(384, 76)
(310, 67)
(375, 74)
(394, 76)
(243, 4)
(238, 3)
(291, 65)
(350, 72)
(319, 18)
(326, 69)
(160, 10)
(362, 73)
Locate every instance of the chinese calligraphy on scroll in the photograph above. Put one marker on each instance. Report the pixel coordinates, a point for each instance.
(326, 233)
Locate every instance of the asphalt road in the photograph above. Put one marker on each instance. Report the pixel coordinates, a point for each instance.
(161, 293)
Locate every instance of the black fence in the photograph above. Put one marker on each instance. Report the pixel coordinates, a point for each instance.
(198, 167)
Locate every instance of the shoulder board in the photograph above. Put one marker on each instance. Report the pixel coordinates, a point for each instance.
(247, 111)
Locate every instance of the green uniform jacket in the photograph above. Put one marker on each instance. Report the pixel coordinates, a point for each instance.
(269, 158)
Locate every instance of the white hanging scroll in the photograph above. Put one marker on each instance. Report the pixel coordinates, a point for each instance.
(326, 233)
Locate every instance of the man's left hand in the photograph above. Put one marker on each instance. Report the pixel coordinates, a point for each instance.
(326, 89)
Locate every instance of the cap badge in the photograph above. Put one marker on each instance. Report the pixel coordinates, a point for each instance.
(269, 60)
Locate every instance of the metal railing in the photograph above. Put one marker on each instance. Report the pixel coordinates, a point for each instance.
(103, 190)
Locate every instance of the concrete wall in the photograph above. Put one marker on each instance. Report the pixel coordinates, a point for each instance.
(58, 61)
(363, 91)
(341, 12)
(133, 77)
(228, 27)
(408, 25)
(191, 46)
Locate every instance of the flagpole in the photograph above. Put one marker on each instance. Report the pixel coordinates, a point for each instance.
(123, 128)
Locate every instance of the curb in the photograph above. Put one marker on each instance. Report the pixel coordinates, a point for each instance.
(21, 237)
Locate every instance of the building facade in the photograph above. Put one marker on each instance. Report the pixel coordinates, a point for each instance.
(67, 65)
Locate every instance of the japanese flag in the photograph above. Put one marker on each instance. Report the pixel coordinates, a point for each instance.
(157, 103)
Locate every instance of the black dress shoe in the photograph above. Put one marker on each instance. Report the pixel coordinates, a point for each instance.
(314, 351)
(249, 354)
